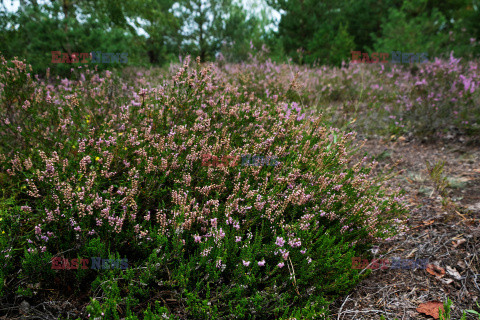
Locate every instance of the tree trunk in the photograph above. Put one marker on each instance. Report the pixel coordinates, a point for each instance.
(201, 43)
(66, 7)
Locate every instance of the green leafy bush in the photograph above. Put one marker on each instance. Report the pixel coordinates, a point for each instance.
(332, 50)
(421, 33)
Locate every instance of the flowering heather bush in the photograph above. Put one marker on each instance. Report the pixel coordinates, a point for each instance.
(428, 99)
(93, 167)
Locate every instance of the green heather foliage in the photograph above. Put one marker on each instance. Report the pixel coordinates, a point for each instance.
(91, 166)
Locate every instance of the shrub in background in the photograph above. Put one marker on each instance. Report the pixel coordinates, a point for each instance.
(430, 100)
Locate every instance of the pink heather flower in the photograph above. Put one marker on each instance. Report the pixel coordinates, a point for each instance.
(280, 265)
(303, 251)
(37, 229)
(197, 238)
(261, 263)
(136, 104)
(214, 222)
(26, 104)
(246, 263)
(219, 264)
(26, 208)
(206, 252)
(65, 82)
(280, 242)
(238, 239)
(288, 114)
(309, 260)
(285, 255)
(295, 243)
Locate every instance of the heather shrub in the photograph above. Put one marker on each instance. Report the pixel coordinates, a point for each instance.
(100, 171)
(427, 100)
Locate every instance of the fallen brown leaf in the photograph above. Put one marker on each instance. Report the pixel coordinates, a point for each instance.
(436, 271)
(431, 308)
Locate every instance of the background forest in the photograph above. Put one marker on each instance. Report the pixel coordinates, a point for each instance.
(157, 32)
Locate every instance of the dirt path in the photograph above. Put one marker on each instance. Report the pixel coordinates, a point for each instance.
(447, 239)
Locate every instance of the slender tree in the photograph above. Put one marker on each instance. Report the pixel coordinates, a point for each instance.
(204, 25)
